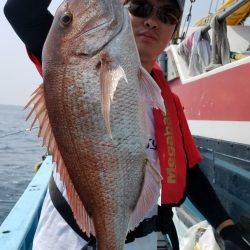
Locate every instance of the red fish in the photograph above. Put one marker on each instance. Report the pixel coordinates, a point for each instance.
(90, 109)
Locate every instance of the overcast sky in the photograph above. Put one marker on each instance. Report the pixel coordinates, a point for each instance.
(18, 76)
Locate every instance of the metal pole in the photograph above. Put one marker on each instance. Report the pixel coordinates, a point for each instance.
(227, 13)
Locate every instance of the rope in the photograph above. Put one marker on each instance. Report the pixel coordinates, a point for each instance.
(210, 8)
(216, 5)
(17, 132)
(187, 22)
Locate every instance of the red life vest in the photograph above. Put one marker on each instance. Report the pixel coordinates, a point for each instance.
(176, 148)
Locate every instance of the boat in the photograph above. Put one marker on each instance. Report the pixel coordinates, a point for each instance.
(217, 106)
(18, 229)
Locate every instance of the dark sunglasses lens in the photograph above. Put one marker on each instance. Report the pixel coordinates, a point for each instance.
(140, 8)
(167, 16)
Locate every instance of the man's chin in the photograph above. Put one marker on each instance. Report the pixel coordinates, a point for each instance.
(147, 58)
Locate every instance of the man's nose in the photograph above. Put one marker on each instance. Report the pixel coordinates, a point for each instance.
(152, 21)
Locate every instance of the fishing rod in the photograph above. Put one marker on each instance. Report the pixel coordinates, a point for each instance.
(17, 132)
(227, 13)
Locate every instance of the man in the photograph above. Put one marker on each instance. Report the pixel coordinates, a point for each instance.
(170, 142)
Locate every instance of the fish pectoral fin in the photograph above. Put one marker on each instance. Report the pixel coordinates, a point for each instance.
(150, 90)
(149, 195)
(37, 102)
(111, 73)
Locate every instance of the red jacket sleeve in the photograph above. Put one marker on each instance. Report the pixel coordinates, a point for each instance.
(36, 61)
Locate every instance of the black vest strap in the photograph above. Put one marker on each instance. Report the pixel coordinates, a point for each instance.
(161, 223)
(65, 211)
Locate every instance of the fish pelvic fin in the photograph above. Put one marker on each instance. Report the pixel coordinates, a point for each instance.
(40, 113)
(111, 73)
(149, 195)
(150, 90)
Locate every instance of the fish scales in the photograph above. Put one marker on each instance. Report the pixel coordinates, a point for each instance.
(104, 176)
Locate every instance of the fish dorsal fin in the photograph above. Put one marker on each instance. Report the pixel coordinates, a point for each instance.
(150, 90)
(149, 195)
(110, 74)
(45, 131)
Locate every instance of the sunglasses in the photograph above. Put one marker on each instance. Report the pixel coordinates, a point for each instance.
(166, 14)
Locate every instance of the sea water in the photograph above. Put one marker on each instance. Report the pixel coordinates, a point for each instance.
(20, 150)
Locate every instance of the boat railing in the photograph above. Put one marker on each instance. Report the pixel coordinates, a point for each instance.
(18, 229)
(181, 64)
(228, 12)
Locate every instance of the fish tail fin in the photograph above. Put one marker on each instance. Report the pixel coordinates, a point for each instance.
(149, 195)
(150, 90)
(37, 102)
(110, 74)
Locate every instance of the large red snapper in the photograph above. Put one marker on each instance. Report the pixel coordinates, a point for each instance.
(90, 109)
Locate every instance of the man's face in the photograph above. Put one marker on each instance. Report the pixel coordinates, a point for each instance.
(151, 34)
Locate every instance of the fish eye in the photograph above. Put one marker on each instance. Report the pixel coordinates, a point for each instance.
(66, 19)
